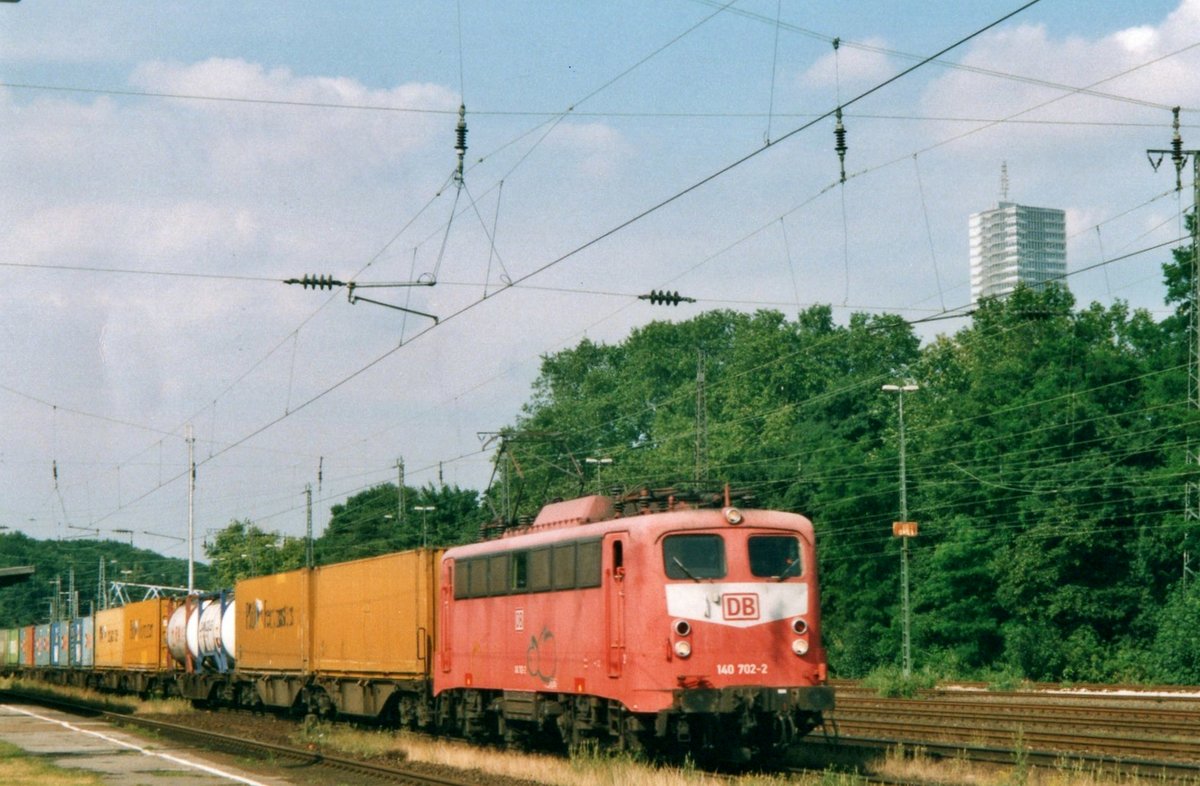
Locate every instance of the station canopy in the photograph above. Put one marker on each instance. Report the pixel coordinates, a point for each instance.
(10, 576)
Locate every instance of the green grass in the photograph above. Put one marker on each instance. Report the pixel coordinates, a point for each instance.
(19, 769)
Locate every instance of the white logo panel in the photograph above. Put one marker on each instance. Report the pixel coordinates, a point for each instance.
(738, 604)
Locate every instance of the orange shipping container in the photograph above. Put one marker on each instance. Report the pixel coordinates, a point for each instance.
(110, 638)
(272, 616)
(376, 616)
(145, 634)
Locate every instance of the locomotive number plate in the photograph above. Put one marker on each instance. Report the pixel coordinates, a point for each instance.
(728, 669)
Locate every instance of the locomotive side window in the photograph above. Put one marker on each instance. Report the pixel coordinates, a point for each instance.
(478, 580)
(694, 557)
(588, 564)
(520, 571)
(497, 574)
(539, 570)
(462, 572)
(564, 566)
(774, 556)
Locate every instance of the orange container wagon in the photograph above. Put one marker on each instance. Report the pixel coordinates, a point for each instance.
(272, 618)
(110, 638)
(145, 635)
(375, 617)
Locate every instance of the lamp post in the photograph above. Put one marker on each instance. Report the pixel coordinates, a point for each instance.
(904, 529)
(599, 462)
(424, 522)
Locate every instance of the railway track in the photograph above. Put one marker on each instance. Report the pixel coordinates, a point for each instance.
(289, 757)
(1151, 734)
(1148, 736)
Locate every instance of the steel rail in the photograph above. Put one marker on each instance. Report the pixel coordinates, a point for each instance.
(1164, 722)
(1172, 769)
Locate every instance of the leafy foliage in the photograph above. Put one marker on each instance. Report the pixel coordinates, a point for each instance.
(1046, 460)
(55, 560)
(1047, 456)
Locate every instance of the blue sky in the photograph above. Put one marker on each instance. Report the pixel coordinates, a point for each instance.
(235, 145)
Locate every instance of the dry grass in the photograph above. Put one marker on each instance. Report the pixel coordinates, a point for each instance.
(912, 765)
(580, 770)
(102, 701)
(16, 769)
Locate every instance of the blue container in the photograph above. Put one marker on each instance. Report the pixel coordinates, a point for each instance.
(83, 643)
(41, 645)
(60, 643)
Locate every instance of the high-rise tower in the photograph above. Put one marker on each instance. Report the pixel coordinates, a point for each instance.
(1015, 244)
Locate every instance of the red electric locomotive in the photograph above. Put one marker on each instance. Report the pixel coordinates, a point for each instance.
(657, 622)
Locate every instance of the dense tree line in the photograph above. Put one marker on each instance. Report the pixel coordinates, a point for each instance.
(368, 523)
(1046, 465)
(56, 561)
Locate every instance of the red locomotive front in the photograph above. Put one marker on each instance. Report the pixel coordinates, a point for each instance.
(658, 623)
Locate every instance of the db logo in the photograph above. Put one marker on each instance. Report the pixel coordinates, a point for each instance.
(740, 607)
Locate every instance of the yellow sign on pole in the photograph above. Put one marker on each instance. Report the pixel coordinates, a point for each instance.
(904, 529)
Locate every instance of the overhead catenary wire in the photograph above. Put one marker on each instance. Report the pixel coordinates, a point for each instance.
(289, 336)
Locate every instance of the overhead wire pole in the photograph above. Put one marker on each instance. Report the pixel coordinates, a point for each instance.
(1179, 158)
(904, 529)
(191, 444)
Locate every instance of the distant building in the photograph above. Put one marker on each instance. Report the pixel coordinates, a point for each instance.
(1013, 244)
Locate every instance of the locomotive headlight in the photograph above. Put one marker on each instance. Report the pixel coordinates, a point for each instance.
(683, 649)
(800, 646)
(733, 515)
(681, 627)
(799, 626)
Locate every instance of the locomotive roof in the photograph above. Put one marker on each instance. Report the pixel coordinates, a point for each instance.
(597, 515)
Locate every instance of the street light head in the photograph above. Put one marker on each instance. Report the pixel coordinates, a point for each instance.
(910, 387)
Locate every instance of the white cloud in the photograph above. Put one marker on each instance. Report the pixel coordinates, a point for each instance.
(850, 66)
(597, 149)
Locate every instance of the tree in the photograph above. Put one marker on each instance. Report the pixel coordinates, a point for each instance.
(242, 550)
(368, 523)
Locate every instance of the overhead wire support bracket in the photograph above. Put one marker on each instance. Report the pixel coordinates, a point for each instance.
(329, 282)
(1179, 156)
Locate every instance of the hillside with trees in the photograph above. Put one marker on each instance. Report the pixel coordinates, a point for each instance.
(56, 561)
(1047, 465)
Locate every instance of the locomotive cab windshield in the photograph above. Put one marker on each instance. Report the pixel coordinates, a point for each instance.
(703, 556)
